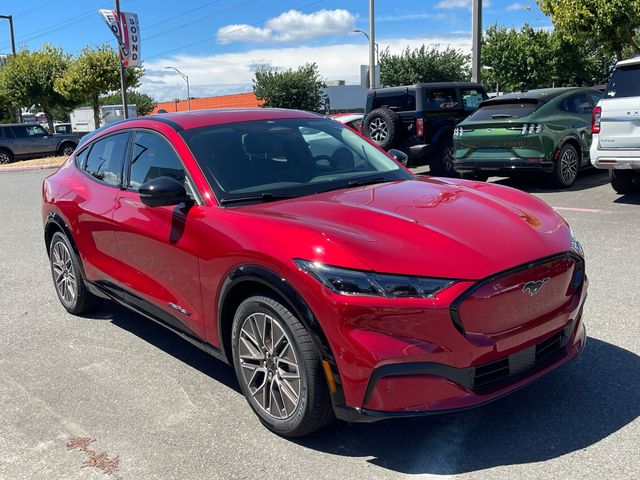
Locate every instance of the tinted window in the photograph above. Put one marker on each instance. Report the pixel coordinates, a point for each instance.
(472, 98)
(292, 156)
(28, 131)
(153, 157)
(625, 82)
(596, 97)
(106, 158)
(440, 99)
(578, 104)
(399, 102)
(503, 111)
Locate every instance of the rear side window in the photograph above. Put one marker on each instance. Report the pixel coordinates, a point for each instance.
(596, 97)
(504, 111)
(625, 82)
(440, 99)
(106, 158)
(405, 102)
(153, 157)
(579, 104)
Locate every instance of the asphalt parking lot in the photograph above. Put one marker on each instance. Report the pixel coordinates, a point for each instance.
(159, 408)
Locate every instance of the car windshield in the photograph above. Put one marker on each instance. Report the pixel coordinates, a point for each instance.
(504, 110)
(271, 159)
(625, 82)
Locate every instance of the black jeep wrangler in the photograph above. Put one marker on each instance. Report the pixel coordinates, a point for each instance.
(419, 120)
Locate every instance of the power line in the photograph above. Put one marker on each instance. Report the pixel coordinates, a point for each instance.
(307, 5)
(31, 10)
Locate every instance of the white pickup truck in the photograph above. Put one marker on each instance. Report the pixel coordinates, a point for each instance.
(616, 128)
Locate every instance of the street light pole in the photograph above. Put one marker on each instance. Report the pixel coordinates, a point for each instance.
(476, 40)
(13, 41)
(357, 30)
(372, 46)
(123, 80)
(186, 79)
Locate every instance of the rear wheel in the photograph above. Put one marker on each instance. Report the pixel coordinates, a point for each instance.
(5, 156)
(67, 276)
(278, 368)
(622, 181)
(442, 164)
(66, 149)
(566, 167)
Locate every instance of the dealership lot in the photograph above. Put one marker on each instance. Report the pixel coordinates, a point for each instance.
(159, 408)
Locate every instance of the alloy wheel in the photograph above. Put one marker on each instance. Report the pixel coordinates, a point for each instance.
(378, 130)
(270, 368)
(64, 273)
(68, 150)
(4, 158)
(569, 166)
(447, 160)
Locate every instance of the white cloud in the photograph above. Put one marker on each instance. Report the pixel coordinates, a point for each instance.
(291, 26)
(233, 72)
(517, 6)
(451, 4)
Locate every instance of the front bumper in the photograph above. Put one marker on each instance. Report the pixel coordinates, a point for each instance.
(501, 165)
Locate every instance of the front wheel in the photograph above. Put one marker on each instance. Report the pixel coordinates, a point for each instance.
(66, 149)
(67, 276)
(622, 181)
(278, 368)
(5, 156)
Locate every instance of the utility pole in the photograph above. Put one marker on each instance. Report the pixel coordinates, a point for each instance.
(13, 40)
(123, 80)
(476, 39)
(372, 46)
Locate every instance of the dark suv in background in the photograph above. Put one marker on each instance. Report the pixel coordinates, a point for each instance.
(30, 140)
(419, 120)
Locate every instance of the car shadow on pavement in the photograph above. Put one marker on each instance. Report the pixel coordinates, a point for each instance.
(628, 199)
(573, 408)
(167, 341)
(536, 183)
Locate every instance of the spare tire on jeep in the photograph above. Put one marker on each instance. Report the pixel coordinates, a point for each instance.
(384, 127)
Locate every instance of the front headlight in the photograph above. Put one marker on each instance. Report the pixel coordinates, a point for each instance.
(576, 246)
(356, 282)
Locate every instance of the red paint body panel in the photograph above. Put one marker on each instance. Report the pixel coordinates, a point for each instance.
(430, 227)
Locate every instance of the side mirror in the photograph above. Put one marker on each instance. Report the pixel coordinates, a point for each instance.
(163, 191)
(400, 156)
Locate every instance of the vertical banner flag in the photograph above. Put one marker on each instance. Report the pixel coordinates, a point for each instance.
(128, 36)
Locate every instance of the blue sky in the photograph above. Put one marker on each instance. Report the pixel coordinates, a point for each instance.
(220, 43)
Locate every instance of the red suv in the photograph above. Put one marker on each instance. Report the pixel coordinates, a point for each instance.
(330, 277)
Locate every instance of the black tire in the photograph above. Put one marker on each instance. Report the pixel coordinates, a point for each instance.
(478, 177)
(565, 171)
(5, 156)
(83, 300)
(66, 149)
(442, 164)
(622, 181)
(313, 408)
(384, 127)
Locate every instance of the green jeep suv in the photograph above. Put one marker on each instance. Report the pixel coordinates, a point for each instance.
(546, 130)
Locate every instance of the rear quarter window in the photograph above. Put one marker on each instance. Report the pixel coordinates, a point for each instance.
(439, 99)
(504, 111)
(625, 82)
(405, 102)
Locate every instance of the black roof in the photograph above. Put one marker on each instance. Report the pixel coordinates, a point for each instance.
(428, 85)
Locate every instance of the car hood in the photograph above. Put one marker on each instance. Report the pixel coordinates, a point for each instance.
(428, 226)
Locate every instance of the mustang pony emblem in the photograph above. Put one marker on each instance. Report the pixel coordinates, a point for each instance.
(533, 287)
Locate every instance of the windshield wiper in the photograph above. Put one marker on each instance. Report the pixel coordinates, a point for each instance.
(357, 183)
(264, 197)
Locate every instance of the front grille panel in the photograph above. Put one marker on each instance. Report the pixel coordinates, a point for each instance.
(493, 375)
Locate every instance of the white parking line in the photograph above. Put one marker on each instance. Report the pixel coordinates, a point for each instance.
(571, 209)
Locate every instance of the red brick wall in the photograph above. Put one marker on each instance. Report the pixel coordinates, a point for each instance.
(240, 100)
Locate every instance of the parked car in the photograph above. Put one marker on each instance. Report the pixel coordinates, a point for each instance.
(616, 128)
(21, 141)
(419, 120)
(351, 120)
(546, 130)
(301, 270)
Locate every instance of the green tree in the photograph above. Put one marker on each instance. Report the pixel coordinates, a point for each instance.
(93, 73)
(29, 77)
(423, 65)
(143, 102)
(300, 89)
(531, 58)
(611, 24)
